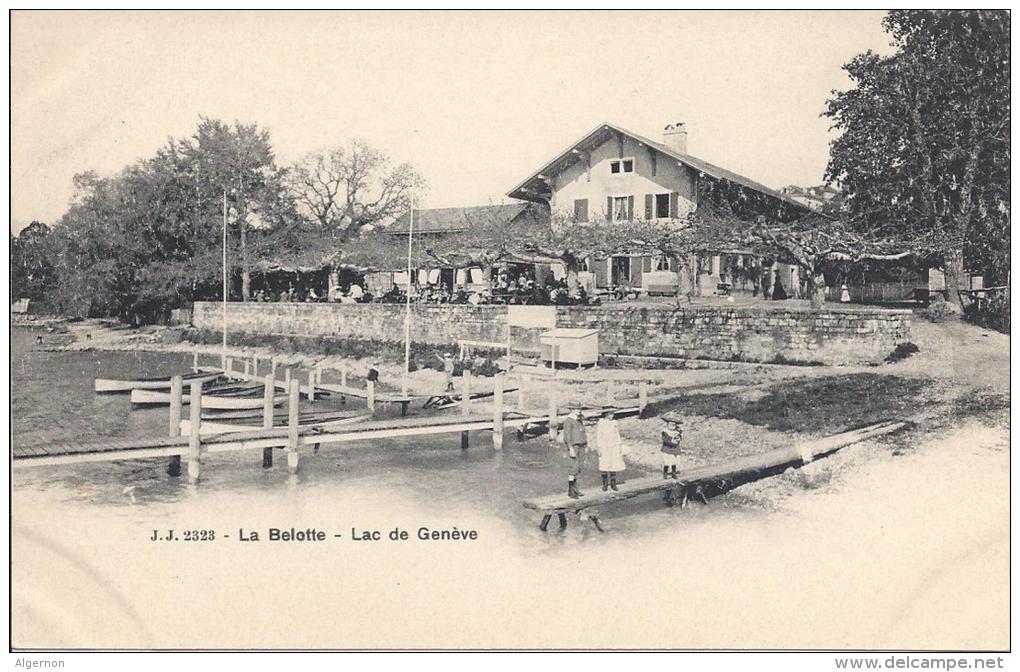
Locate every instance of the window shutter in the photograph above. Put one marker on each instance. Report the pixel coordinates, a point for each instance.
(674, 204)
(630, 207)
(581, 210)
(609, 208)
(649, 202)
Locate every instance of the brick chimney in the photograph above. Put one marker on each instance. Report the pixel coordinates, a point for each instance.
(675, 137)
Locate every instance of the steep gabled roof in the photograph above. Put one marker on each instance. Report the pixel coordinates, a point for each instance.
(597, 136)
(452, 220)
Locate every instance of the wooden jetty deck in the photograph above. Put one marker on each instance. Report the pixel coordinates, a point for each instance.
(707, 480)
(292, 437)
(135, 448)
(296, 434)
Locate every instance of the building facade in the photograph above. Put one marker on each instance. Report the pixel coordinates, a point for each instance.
(612, 174)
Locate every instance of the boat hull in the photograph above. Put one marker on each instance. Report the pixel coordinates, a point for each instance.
(155, 397)
(120, 385)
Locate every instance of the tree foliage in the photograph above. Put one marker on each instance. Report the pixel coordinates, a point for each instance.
(135, 244)
(31, 265)
(923, 150)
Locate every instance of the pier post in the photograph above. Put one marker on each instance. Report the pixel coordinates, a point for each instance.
(228, 365)
(267, 417)
(554, 415)
(311, 384)
(465, 405)
(272, 365)
(195, 439)
(465, 402)
(292, 426)
(318, 374)
(497, 412)
(642, 395)
(247, 367)
(176, 392)
(286, 377)
(343, 375)
(255, 366)
(370, 394)
(194, 360)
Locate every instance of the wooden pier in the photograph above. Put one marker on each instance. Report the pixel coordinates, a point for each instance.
(199, 434)
(706, 481)
(293, 437)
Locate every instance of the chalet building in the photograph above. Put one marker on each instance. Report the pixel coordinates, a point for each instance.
(614, 174)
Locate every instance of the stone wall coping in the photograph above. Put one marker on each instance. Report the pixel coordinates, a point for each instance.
(767, 307)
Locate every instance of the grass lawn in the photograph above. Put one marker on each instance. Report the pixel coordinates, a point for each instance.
(826, 404)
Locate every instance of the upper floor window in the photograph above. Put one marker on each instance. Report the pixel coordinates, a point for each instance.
(621, 166)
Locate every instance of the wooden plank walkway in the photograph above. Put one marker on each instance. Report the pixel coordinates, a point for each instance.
(139, 448)
(695, 480)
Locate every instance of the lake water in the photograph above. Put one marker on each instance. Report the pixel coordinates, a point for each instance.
(53, 400)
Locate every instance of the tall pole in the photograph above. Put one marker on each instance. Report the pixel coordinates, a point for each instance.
(225, 282)
(407, 307)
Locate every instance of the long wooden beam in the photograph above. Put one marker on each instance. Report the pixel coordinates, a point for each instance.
(796, 455)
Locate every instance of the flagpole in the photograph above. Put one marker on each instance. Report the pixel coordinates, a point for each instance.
(225, 282)
(407, 305)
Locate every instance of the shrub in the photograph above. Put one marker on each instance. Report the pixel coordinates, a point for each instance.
(939, 311)
(902, 351)
(991, 313)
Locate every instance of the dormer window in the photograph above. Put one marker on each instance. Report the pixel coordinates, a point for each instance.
(621, 166)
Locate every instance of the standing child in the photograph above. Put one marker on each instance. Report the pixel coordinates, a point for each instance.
(577, 447)
(447, 360)
(672, 435)
(610, 449)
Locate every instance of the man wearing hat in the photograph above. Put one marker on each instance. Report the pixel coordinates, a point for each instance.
(577, 447)
(672, 435)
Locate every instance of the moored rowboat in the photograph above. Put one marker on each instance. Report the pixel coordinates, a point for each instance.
(208, 400)
(214, 427)
(161, 383)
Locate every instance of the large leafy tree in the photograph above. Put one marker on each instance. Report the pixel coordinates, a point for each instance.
(923, 151)
(31, 264)
(148, 239)
(237, 162)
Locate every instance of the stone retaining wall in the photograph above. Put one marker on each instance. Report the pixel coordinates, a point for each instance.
(431, 324)
(771, 333)
(830, 336)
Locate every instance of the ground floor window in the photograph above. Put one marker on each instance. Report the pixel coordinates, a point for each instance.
(622, 208)
(662, 206)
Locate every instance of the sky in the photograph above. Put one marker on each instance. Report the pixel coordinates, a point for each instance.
(476, 101)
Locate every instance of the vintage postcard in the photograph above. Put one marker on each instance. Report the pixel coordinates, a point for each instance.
(555, 330)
